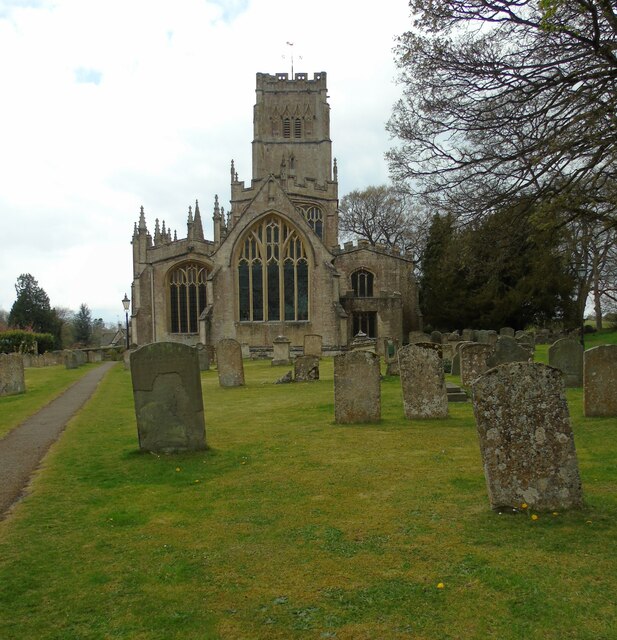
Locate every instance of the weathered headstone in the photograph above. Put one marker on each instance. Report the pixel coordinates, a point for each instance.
(525, 438)
(567, 356)
(422, 383)
(436, 337)
(126, 357)
(71, 360)
(473, 361)
(526, 338)
(168, 398)
(467, 335)
(229, 363)
(600, 381)
(456, 358)
(313, 345)
(357, 388)
(418, 336)
(246, 351)
(203, 355)
(94, 356)
(432, 346)
(506, 331)
(482, 336)
(280, 356)
(362, 342)
(507, 350)
(306, 368)
(492, 337)
(12, 378)
(390, 350)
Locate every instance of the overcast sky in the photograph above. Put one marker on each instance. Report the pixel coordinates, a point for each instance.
(110, 105)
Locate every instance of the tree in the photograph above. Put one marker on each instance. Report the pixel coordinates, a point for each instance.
(4, 320)
(377, 214)
(31, 310)
(82, 325)
(509, 99)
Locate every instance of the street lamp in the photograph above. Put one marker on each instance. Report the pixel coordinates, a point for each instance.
(125, 304)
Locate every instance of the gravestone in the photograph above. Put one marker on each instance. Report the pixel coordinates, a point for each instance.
(422, 383)
(203, 356)
(357, 389)
(418, 336)
(313, 345)
(432, 346)
(507, 331)
(436, 337)
(473, 361)
(229, 363)
(281, 351)
(126, 357)
(526, 338)
(246, 351)
(81, 356)
(391, 346)
(600, 381)
(306, 368)
(567, 356)
(492, 337)
(467, 335)
(456, 358)
(507, 350)
(482, 336)
(525, 438)
(362, 342)
(71, 360)
(12, 378)
(94, 356)
(168, 398)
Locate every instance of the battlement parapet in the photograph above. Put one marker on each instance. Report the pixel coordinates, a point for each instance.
(348, 247)
(299, 82)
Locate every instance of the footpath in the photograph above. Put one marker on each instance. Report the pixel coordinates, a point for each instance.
(23, 448)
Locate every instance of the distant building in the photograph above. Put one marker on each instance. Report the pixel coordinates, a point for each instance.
(274, 266)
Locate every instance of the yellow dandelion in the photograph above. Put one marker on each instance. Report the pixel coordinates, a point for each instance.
(588, 521)
(534, 517)
(524, 505)
(440, 585)
(555, 513)
(197, 480)
(177, 468)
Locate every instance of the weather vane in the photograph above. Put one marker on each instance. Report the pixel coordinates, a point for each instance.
(291, 44)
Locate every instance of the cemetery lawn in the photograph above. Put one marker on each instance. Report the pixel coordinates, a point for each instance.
(43, 384)
(293, 527)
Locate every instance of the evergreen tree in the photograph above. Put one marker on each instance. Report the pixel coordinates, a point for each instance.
(31, 309)
(82, 325)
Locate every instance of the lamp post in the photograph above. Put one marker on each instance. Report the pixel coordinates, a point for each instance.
(125, 304)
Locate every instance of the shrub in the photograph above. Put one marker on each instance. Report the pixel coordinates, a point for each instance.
(18, 340)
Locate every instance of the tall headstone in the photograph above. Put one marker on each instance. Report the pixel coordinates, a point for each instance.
(600, 381)
(456, 358)
(473, 361)
(422, 383)
(71, 360)
(357, 387)
(246, 351)
(229, 363)
(203, 355)
(390, 351)
(566, 355)
(281, 356)
(306, 368)
(467, 335)
(525, 438)
(168, 398)
(507, 350)
(436, 337)
(12, 378)
(313, 345)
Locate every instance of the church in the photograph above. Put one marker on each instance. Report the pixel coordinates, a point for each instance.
(274, 266)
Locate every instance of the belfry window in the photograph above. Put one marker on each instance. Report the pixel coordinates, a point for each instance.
(286, 128)
(273, 274)
(187, 297)
(297, 128)
(362, 283)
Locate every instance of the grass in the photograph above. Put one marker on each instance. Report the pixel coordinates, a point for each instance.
(42, 386)
(293, 527)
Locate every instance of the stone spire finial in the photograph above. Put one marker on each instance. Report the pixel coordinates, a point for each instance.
(335, 171)
(175, 236)
(157, 232)
(217, 211)
(190, 219)
(198, 227)
(135, 230)
(234, 175)
(142, 220)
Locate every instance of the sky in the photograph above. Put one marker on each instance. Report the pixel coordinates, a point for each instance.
(110, 105)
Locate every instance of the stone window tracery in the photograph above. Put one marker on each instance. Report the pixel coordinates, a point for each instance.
(187, 297)
(314, 217)
(362, 283)
(273, 274)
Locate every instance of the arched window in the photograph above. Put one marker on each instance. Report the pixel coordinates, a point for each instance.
(286, 128)
(362, 283)
(187, 297)
(314, 217)
(297, 128)
(273, 273)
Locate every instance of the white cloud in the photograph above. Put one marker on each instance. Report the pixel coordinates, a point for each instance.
(111, 105)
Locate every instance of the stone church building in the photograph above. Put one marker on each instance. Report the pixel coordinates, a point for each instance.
(274, 266)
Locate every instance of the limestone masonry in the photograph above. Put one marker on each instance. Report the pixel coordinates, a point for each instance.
(274, 266)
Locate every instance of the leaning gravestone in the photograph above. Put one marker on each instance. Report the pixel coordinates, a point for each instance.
(422, 383)
(473, 361)
(566, 355)
(168, 398)
(507, 350)
(357, 390)
(313, 345)
(306, 368)
(12, 378)
(525, 438)
(600, 381)
(229, 363)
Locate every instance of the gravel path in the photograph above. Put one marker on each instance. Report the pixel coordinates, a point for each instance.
(23, 448)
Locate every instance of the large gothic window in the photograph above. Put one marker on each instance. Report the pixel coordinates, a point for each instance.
(273, 273)
(362, 283)
(314, 217)
(187, 297)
